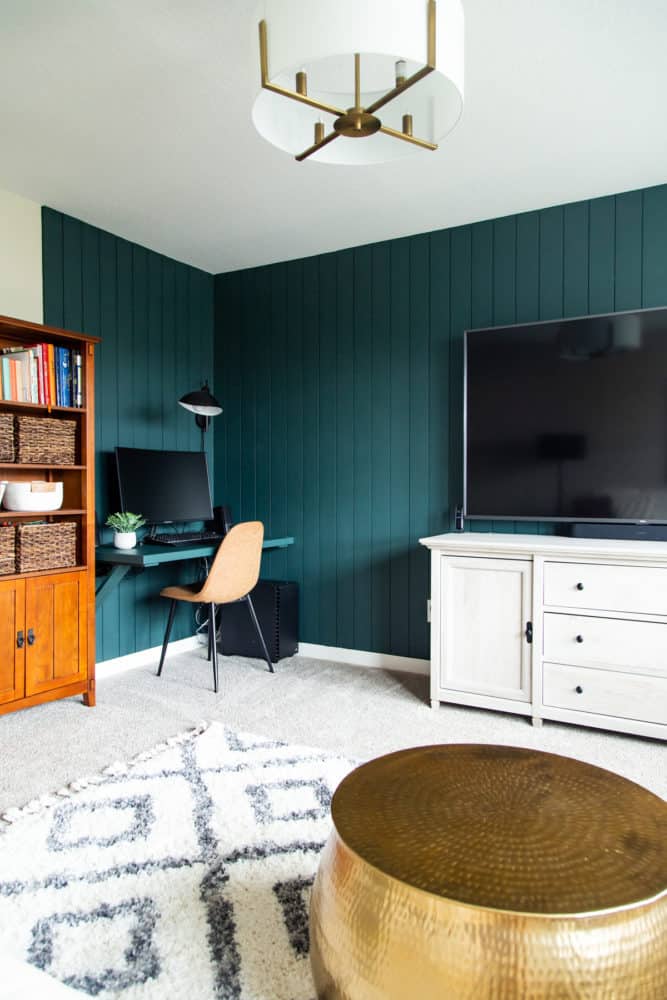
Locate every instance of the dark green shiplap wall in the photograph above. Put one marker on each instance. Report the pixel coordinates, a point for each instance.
(342, 383)
(155, 318)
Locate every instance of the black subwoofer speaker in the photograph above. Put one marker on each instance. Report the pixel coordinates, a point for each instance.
(276, 603)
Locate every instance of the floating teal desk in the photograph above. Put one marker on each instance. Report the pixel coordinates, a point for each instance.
(122, 561)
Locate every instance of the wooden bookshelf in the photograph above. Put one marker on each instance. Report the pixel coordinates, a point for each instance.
(47, 618)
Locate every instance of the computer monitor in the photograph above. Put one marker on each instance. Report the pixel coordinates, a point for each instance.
(164, 486)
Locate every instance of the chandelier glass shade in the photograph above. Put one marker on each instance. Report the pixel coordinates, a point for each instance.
(359, 81)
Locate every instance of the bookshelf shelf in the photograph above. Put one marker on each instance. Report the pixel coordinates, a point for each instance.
(32, 515)
(14, 404)
(58, 602)
(26, 465)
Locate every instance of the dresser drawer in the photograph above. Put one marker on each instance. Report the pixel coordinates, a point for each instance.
(605, 692)
(632, 589)
(634, 646)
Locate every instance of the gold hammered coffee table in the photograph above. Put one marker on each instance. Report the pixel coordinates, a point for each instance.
(487, 872)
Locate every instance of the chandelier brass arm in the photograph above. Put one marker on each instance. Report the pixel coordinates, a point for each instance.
(395, 134)
(316, 146)
(293, 94)
(356, 121)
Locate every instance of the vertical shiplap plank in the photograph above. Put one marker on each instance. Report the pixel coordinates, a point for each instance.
(168, 396)
(141, 360)
(345, 485)
(228, 380)
(52, 267)
(261, 362)
(295, 422)
(111, 624)
(248, 505)
(461, 312)
(360, 444)
(528, 267)
(628, 250)
(575, 258)
(276, 561)
(601, 255)
(418, 561)
(504, 271)
(311, 453)
(399, 420)
(328, 470)
(481, 274)
(182, 359)
(72, 275)
(381, 446)
(654, 257)
(125, 417)
(439, 337)
(551, 263)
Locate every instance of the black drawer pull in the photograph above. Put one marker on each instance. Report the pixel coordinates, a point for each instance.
(579, 689)
(579, 638)
(19, 640)
(31, 637)
(580, 586)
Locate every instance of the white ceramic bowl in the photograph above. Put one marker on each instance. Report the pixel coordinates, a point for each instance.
(3, 483)
(29, 496)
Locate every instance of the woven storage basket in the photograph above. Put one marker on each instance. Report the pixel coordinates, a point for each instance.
(6, 437)
(45, 546)
(7, 550)
(45, 440)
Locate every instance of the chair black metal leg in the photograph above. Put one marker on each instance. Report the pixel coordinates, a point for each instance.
(210, 638)
(213, 645)
(167, 633)
(251, 609)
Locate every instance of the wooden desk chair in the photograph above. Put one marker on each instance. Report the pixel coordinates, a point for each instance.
(233, 574)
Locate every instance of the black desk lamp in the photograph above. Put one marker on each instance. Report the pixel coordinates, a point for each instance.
(203, 405)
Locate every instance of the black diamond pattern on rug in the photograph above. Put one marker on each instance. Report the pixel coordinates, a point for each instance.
(294, 896)
(129, 818)
(53, 937)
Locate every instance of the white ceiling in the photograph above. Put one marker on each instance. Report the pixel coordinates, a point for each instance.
(134, 115)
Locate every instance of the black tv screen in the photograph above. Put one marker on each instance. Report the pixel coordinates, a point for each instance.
(567, 420)
(164, 486)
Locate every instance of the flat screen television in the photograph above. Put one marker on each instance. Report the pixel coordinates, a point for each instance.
(567, 420)
(164, 486)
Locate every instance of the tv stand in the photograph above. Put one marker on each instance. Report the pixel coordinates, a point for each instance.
(569, 629)
(630, 532)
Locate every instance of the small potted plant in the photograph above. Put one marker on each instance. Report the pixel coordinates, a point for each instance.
(125, 528)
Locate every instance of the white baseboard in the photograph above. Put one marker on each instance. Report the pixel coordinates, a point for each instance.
(131, 661)
(362, 658)
(335, 654)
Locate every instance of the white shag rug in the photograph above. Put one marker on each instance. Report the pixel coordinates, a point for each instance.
(183, 874)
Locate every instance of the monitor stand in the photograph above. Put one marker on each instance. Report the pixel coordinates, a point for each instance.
(631, 532)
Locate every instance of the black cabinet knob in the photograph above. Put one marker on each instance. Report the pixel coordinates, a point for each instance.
(579, 638)
(579, 689)
(580, 586)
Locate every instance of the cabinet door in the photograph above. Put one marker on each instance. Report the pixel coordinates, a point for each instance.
(55, 620)
(486, 607)
(12, 640)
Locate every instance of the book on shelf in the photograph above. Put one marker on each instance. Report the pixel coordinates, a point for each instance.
(41, 373)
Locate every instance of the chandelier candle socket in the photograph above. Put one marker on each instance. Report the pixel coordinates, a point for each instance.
(369, 73)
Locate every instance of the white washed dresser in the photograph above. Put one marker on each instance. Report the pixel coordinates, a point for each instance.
(570, 629)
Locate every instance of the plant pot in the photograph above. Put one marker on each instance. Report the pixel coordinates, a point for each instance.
(125, 539)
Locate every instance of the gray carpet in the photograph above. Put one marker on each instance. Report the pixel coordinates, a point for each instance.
(357, 712)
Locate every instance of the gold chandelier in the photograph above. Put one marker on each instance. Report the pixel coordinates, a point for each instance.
(324, 75)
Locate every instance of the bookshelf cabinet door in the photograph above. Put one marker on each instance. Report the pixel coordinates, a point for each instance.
(56, 621)
(12, 640)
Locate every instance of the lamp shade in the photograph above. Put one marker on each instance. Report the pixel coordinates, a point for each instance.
(320, 38)
(201, 402)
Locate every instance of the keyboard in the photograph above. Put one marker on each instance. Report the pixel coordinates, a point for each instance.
(184, 538)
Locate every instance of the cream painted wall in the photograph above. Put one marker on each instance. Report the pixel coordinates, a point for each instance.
(20, 257)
